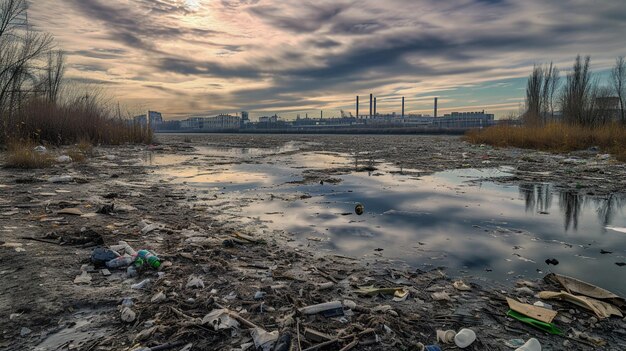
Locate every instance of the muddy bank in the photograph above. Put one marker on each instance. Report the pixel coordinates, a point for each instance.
(258, 278)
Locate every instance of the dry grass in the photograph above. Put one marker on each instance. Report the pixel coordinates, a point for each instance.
(556, 137)
(85, 120)
(76, 154)
(22, 155)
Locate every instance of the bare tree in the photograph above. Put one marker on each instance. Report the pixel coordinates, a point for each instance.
(618, 78)
(54, 71)
(551, 80)
(534, 96)
(21, 50)
(577, 99)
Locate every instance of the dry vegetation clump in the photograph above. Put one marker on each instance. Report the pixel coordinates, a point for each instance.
(22, 154)
(556, 137)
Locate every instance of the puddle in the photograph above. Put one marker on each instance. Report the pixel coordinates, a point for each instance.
(459, 219)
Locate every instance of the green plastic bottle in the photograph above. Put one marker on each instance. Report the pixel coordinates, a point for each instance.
(147, 257)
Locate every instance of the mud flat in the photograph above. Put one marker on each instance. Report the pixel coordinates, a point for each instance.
(231, 264)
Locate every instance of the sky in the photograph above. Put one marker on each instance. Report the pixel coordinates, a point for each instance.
(203, 57)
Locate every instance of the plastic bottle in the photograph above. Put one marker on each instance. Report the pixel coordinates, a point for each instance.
(464, 338)
(531, 345)
(121, 261)
(148, 257)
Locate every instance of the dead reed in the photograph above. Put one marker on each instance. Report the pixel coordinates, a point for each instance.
(555, 137)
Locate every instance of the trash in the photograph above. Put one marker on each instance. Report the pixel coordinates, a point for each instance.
(195, 282)
(542, 304)
(359, 209)
(40, 148)
(531, 345)
(263, 339)
(464, 338)
(283, 343)
(539, 313)
(131, 271)
(514, 343)
(325, 286)
(127, 248)
(121, 261)
(259, 295)
(316, 336)
(61, 179)
(573, 285)
(372, 291)
(621, 264)
(440, 296)
(128, 315)
(150, 227)
(584, 336)
(25, 331)
(461, 286)
(158, 297)
(524, 291)
(145, 256)
(552, 261)
(327, 309)
(106, 209)
(100, 256)
(400, 295)
(349, 304)
(446, 337)
(83, 278)
(432, 348)
(220, 319)
(546, 327)
(600, 308)
(144, 283)
(105, 272)
(71, 211)
(64, 159)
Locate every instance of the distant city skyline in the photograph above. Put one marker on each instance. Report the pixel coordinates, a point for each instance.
(184, 57)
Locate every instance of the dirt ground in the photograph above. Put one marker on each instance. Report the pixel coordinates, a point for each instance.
(258, 281)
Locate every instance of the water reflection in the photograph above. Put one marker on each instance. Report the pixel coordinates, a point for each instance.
(538, 198)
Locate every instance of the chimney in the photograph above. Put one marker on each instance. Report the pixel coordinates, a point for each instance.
(435, 107)
(403, 107)
(374, 106)
(371, 105)
(321, 114)
(357, 106)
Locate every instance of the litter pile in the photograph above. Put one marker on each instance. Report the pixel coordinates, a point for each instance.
(238, 292)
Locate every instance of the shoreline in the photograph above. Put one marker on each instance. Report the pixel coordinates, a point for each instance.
(42, 290)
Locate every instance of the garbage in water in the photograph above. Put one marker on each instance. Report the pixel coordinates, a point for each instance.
(147, 257)
(359, 209)
(546, 327)
(119, 262)
(617, 229)
(552, 261)
(539, 313)
(461, 286)
(573, 285)
(464, 338)
(600, 308)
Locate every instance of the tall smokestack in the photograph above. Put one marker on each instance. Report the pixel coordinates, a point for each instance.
(435, 107)
(371, 97)
(403, 107)
(374, 106)
(357, 106)
(321, 113)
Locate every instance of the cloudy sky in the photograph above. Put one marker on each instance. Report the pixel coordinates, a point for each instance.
(295, 56)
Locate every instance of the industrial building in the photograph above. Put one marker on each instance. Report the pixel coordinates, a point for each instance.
(213, 123)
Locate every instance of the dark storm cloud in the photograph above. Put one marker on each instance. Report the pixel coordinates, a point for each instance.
(310, 17)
